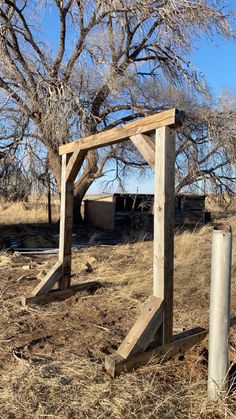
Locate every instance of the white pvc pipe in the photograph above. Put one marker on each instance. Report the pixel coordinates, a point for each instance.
(219, 322)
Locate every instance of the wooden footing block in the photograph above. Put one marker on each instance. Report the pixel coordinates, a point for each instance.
(58, 295)
(115, 364)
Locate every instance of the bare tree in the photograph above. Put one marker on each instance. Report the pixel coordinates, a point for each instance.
(106, 52)
(206, 152)
(206, 144)
(15, 184)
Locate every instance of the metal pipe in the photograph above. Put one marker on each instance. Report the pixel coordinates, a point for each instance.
(219, 322)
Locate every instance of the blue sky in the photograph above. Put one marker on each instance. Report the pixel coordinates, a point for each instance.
(217, 61)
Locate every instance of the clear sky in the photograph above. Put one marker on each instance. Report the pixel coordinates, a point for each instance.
(217, 61)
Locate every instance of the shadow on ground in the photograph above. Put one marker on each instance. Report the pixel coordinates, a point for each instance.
(43, 235)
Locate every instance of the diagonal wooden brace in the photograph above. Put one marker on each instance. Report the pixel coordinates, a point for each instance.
(146, 148)
(46, 284)
(74, 164)
(144, 329)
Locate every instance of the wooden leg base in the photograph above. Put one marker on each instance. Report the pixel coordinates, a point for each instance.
(144, 329)
(115, 364)
(58, 295)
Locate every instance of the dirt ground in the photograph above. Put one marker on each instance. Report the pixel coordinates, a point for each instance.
(52, 356)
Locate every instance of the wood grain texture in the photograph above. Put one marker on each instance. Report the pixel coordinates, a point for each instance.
(144, 329)
(66, 225)
(115, 364)
(164, 225)
(46, 284)
(74, 165)
(172, 117)
(146, 148)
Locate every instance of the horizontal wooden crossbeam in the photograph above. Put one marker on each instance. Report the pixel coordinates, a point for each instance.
(172, 118)
(115, 364)
(58, 295)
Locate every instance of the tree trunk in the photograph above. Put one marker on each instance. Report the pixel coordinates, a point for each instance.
(82, 185)
(79, 194)
(54, 163)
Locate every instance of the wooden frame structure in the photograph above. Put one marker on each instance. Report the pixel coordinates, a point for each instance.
(152, 334)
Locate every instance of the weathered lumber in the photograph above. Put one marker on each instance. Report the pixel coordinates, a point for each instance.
(164, 226)
(172, 117)
(58, 295)
(74, 164)
(70, 168)
(144, 329)
(66, 225)
(36, 250)
(46, 284)
(115, 364)
(146, 147)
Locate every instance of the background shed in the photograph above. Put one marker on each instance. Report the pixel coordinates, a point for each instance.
(135, 211)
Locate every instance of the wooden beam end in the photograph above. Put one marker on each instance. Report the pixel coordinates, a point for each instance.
(179, 118)
(24, 301)
(113, 364)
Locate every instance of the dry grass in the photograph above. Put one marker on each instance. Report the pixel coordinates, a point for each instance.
(216, 205)
(34, 211)
(5, 259)
(52, 356)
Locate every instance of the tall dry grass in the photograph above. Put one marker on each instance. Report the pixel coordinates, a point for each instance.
(33, 211)
(218, 205)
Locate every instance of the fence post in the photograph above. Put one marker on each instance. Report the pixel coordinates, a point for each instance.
(219, 321)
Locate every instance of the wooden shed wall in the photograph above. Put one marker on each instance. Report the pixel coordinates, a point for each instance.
(100, 213)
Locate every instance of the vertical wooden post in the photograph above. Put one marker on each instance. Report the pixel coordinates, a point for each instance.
(164, 226)
(49, 199)
(66, 225)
